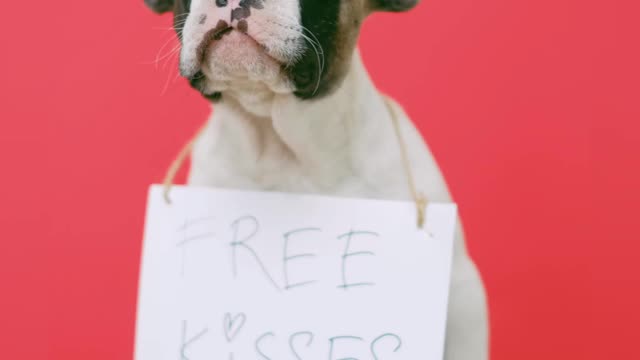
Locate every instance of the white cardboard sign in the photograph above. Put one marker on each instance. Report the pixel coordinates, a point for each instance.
(236, 275)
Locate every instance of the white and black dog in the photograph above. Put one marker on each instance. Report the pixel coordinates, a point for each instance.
(296, 111)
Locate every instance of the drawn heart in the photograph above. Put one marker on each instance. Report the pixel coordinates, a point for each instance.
(233, 325)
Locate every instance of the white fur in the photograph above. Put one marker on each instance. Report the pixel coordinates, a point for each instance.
(343, 145)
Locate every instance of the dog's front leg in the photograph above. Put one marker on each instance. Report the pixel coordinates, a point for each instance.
(467, 318)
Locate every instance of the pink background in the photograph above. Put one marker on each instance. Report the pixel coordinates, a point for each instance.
(531, 108)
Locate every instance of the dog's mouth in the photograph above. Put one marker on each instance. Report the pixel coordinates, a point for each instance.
(215, 34)
(222, 30)
(227, 54)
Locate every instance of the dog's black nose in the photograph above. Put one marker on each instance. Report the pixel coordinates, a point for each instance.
(222, 3)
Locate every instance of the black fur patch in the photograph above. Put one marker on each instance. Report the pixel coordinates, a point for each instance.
(321, 18)
(394, 5)
(159, 6)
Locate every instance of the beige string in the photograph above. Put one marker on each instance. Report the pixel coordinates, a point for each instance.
(418, 197)
(176, 165)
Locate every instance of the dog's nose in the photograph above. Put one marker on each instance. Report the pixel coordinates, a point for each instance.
(222, 3)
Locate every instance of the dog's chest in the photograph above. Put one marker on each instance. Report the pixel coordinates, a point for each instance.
(266, 164)
(286, 175)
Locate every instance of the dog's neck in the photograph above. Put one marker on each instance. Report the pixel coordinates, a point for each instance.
(337, 134)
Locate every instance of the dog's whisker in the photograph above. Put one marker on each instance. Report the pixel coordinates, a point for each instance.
(315, 43)
(176, 25)
(320, 64)
(166, 84)
(159, 55)
(172, 59)
(171, 54)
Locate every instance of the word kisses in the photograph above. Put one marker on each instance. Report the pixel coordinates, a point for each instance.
(300, 345)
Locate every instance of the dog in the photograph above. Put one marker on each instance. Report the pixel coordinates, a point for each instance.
(296, 111)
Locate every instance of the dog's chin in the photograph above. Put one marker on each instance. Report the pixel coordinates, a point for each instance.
(237, 63)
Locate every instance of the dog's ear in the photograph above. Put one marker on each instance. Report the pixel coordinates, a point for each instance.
(159, 6)
(394, 5)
